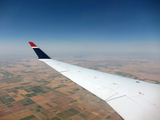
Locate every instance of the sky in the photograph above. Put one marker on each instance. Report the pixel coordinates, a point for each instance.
(80, 26)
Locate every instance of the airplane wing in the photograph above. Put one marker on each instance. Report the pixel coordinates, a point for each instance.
(131, 99)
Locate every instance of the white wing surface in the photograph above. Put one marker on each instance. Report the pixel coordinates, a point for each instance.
(131, 99)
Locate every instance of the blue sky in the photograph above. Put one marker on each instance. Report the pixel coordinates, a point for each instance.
(80, 26)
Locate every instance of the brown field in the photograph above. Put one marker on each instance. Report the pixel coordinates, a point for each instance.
(29, 89)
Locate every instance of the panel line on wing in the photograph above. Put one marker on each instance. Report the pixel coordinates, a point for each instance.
(114, 98)
(64, 71)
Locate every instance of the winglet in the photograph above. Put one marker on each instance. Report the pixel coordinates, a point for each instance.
(39, 52)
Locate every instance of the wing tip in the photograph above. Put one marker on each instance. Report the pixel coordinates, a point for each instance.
(39, 52)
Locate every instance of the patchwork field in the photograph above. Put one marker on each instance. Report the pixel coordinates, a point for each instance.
(31, 90)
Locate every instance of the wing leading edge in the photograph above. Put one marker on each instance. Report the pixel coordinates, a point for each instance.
(132, 99)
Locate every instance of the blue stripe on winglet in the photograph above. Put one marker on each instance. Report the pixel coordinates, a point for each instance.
(41, 54)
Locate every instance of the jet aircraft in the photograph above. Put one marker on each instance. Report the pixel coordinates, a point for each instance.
(131, 99)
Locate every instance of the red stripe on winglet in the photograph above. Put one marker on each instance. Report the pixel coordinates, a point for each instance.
(32, 44)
